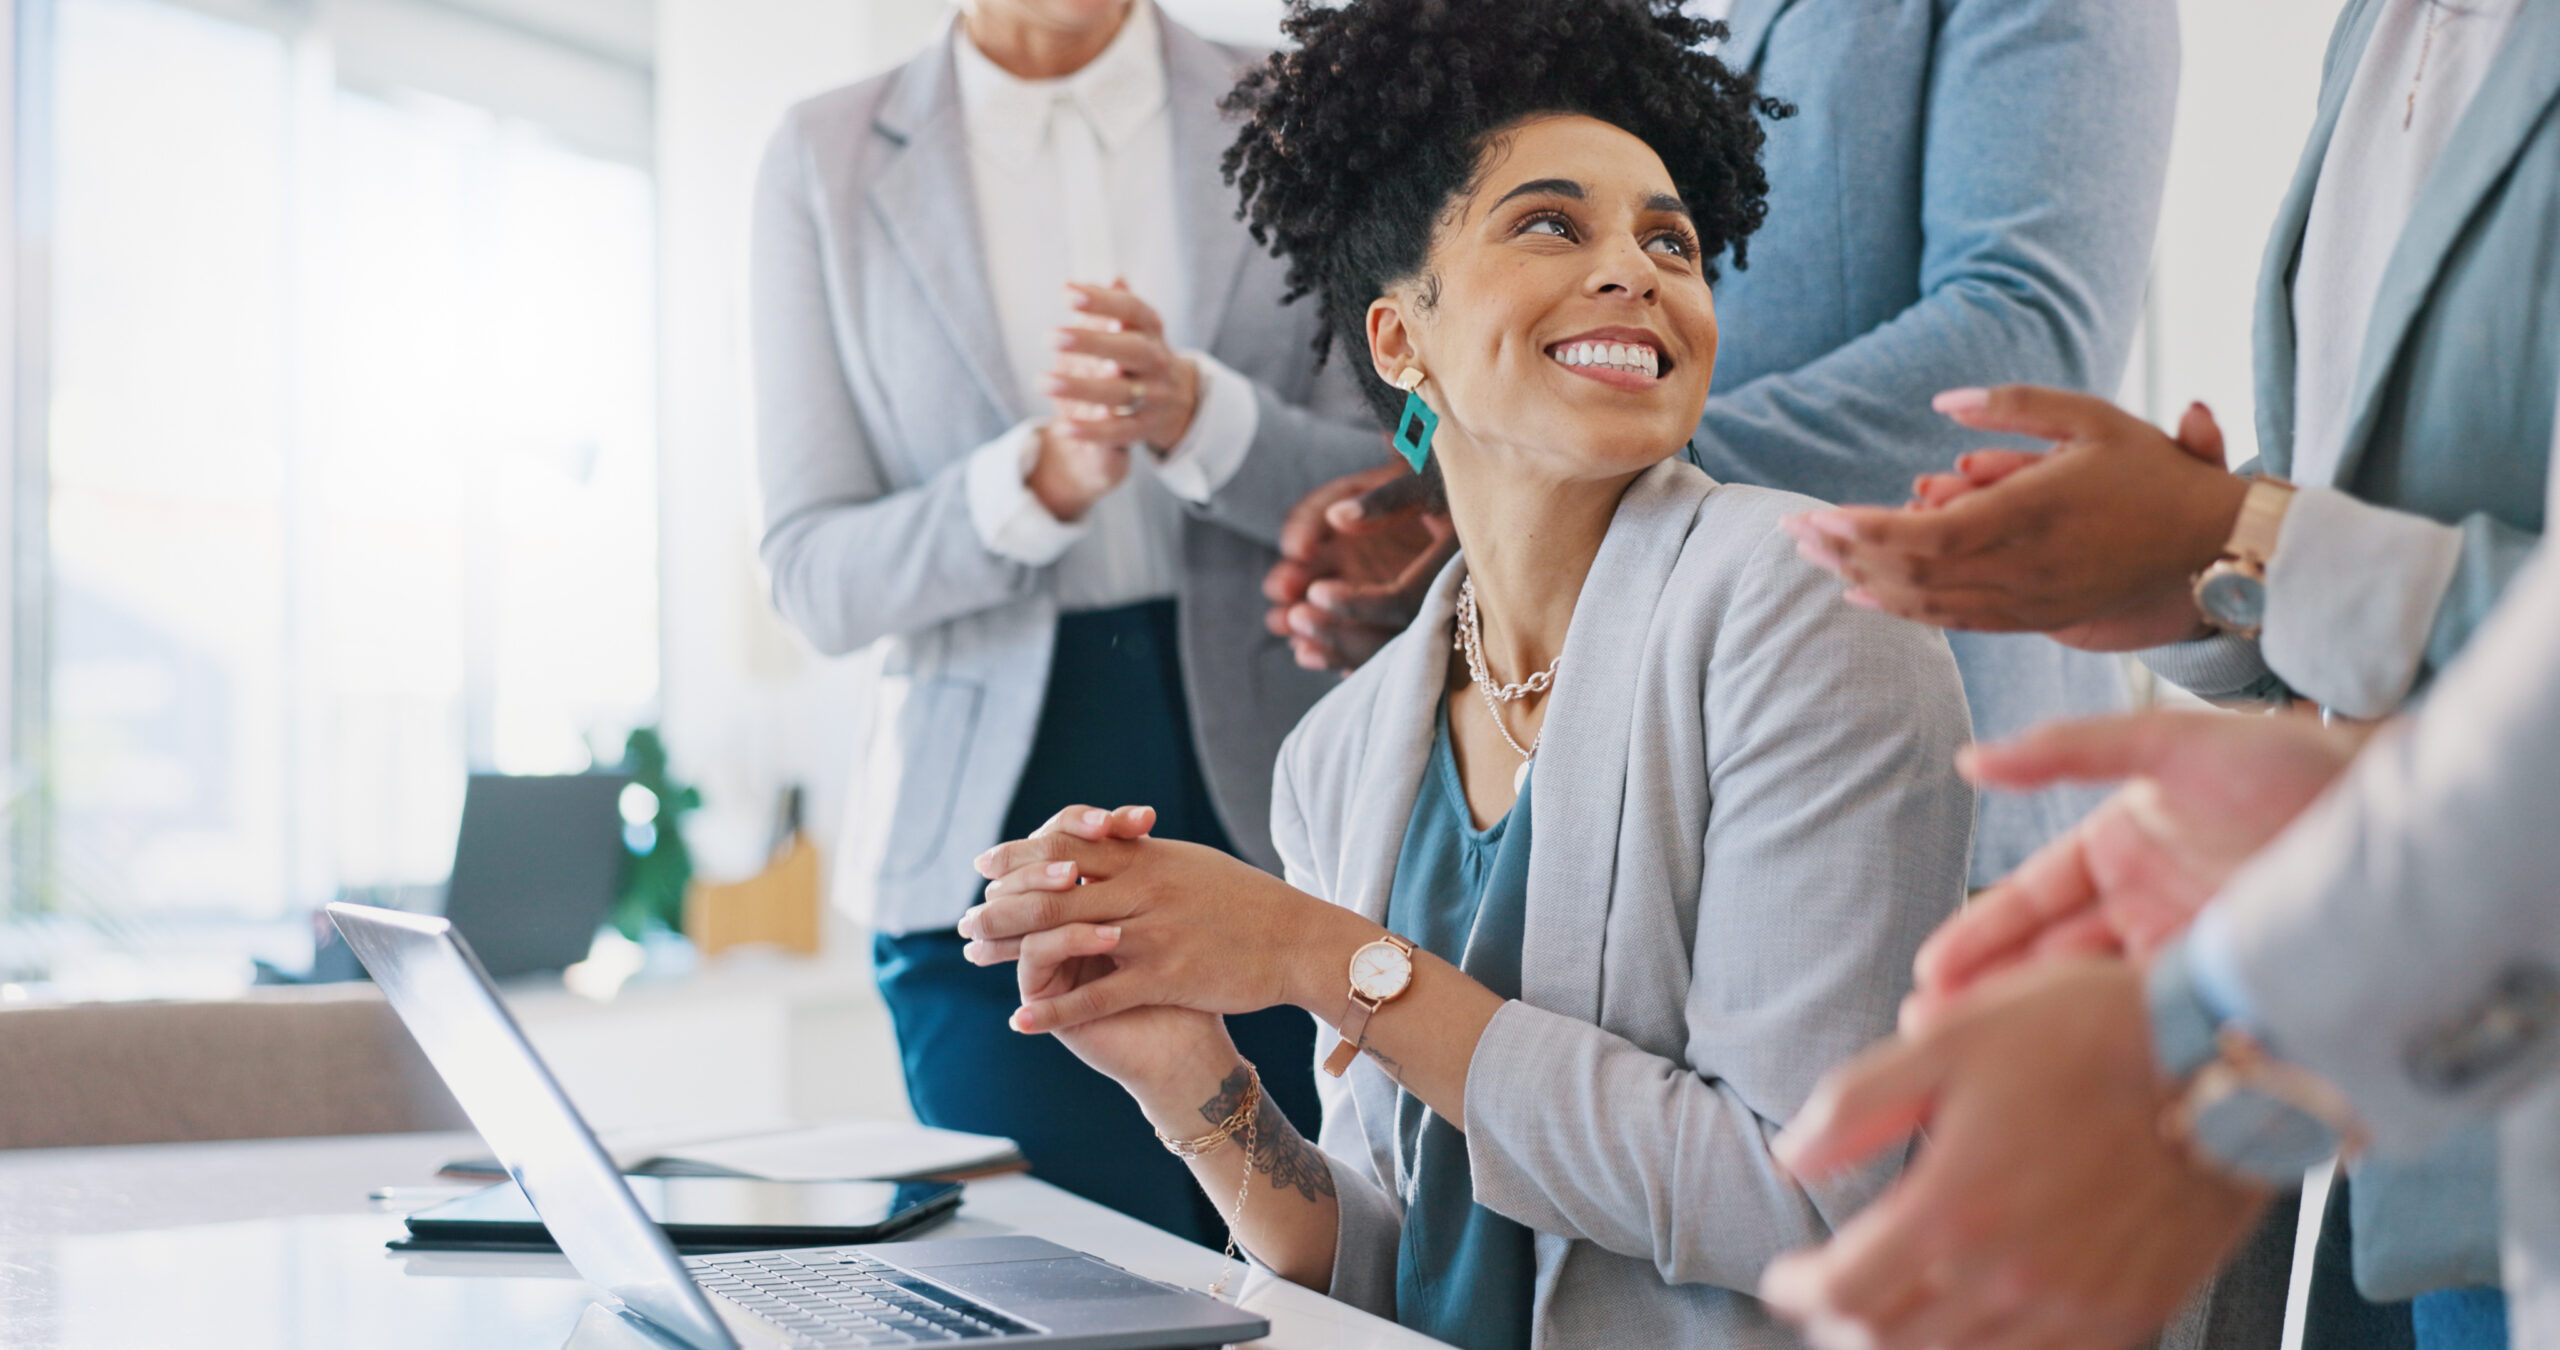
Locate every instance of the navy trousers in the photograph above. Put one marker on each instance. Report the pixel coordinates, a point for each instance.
(1115, 731)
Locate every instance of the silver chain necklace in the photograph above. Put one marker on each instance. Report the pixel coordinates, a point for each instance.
(1471, 644)
(2435, 19)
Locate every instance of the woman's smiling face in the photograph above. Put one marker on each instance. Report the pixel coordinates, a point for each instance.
(1563, 313)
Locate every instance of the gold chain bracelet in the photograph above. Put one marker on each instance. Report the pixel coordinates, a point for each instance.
(1247, 1120)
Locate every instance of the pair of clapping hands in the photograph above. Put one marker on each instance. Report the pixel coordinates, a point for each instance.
(1117, 385)
(2048, 1209)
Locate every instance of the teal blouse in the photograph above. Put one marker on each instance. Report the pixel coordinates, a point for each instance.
(1464, 1274)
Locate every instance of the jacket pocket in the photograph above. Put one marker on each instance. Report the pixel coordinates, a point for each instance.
(937, 725)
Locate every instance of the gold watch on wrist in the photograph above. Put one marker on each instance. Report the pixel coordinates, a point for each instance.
(2232, 594)
(1380, 973)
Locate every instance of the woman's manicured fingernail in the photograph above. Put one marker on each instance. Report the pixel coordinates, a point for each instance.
(1109, 932)
(1062, 870)
(1831, 523)
(1097, 817)
(1019, 1021)
(1957, 401)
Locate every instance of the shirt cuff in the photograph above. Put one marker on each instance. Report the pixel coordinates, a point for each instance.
(2222, 668)
(2352, 595)
(1011, 521)
(2213, 968)
(1222, 430)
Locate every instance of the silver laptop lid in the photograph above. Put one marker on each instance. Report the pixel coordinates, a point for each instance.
(440, 991)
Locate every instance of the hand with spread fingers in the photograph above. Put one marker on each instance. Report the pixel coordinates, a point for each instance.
(2095, 543)
(2048, 1208)
(1118, 383)
(1356, 558)
(2207, 791)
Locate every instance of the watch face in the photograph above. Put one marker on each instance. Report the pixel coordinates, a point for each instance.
(2234, 599)
(1380, 971)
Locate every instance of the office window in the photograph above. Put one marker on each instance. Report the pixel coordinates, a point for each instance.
(353, 476)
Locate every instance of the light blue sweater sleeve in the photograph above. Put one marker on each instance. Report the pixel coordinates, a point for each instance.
(2046, 140)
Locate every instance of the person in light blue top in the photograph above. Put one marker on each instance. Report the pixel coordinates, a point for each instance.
(1463, 1272)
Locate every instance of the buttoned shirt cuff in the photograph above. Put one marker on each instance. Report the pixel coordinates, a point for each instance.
(2352, 595)
(2224, 667)
(1222, 430)
(1011, 521)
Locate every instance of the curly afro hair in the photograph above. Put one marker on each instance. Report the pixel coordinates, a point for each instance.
(1358, 141)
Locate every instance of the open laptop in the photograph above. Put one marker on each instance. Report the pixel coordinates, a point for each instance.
(1003, 1291)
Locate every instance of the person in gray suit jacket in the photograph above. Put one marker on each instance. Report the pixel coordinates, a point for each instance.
(1966, 187)
(2408, 336)
(2384, 972)
(1048, 496)
(1631, 833)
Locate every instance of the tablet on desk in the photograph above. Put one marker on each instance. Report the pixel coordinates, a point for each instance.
(703, 1214)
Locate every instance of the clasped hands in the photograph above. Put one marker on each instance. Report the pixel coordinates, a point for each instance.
(1117, 384)
(1131, 947)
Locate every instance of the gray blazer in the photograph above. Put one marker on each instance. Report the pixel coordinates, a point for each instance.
(2403, 938)
(1748, 819)
(2453, 419)
(1966, 195)
(880, 366)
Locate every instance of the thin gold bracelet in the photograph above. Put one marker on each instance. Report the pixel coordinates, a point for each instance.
(1245, 1119)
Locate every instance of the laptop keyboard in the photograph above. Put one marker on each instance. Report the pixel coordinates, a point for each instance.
(830, 1299)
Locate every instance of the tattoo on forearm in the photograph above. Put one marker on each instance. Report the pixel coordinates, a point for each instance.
(1285, 1156)
(1279, 1151)
(1230, 1096)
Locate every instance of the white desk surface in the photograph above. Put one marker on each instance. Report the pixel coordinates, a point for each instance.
(272, 1244)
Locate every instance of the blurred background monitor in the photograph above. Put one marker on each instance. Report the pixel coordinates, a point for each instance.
(536, 867)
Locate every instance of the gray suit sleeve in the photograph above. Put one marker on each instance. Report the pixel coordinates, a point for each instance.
(853, 557)
(1295, 451)
(1837, 839)
(2417, 898)
(2047, 146)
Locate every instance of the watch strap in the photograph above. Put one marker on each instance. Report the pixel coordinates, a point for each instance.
(2261, 521)
(1355, 1029)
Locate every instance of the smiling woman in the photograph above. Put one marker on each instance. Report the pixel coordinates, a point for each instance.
(1746, 815)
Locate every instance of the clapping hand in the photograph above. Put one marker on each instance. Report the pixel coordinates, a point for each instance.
(2093, 543)
(1117, 382)
(1116, 385)
(2207, 790)
(1355, 560)
(2048, 1208)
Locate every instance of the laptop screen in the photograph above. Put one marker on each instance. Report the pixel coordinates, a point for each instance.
(439, 990)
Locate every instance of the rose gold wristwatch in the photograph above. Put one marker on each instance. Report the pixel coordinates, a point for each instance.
(2232, 594)
(1380, 971)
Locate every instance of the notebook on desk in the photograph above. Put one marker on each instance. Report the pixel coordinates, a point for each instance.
(860, 1150)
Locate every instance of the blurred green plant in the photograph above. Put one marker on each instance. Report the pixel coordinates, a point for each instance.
(658, 867)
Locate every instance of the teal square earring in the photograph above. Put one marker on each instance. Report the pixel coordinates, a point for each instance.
(1415, 425)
